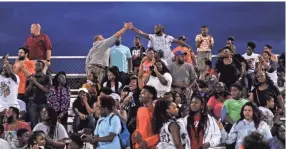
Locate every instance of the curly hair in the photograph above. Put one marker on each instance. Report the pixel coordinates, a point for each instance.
(160, 115)
(203, 121)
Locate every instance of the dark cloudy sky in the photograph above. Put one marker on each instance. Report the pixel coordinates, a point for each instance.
(72, 26)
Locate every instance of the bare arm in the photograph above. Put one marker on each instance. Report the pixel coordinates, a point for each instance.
(175, 131)
(141, 33)
(10, 70)
(49, 54)
(228, 119)
(179, 42)
(130, 66)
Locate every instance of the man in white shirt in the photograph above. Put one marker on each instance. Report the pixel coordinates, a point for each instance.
(3, 143)
(161, 41)
(252, 59)
(9, 83)
(204, 43)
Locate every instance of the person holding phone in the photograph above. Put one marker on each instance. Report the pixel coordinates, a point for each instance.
(160, 78)
(9, 86)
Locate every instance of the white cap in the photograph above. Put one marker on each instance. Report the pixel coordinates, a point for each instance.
(115, 96)
(83, 89)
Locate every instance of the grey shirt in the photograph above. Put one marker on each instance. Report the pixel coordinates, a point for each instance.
(182, 73)
(99, 53)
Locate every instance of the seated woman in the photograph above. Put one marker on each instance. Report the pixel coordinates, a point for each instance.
(250, 121)
(216, 101)
(160, 78)
(55, 132)
(113, 80)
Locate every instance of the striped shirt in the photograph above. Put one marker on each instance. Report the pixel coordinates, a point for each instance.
(205, 45)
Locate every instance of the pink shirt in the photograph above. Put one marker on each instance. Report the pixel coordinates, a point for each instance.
(216, 105)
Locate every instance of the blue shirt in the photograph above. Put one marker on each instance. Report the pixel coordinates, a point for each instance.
(104, 127)
(118, 57)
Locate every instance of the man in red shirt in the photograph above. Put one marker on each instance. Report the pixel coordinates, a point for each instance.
(12, 122)
(40, 46)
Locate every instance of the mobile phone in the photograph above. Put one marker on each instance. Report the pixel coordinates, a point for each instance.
(130, 94)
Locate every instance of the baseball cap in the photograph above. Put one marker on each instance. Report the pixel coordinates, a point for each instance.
(182, 37)
(180, 53)
(83, 89)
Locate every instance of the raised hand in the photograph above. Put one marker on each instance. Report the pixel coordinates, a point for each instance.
(128, 25)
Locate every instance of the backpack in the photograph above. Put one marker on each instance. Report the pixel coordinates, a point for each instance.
(124, 135)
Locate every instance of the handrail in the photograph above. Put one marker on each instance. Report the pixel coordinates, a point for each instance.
(80, 57)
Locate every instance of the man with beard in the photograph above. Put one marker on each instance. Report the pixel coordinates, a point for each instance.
(12, 125)
(137, 54)
(37, 87)
(183, 75)
(120, 56)
(9, 83)
(24, 68)
(161, 41)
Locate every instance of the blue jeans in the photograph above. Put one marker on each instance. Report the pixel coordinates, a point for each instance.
(78, 126)
(34, 113)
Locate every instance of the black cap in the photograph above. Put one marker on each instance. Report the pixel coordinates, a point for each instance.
(230, 38)
(182, 37)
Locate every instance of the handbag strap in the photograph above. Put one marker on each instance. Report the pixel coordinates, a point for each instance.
(257, 97)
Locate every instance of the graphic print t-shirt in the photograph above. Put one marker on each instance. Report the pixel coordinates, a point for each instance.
(137, 55)
(8, 92)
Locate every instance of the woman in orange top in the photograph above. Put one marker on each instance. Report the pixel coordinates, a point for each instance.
(143, 137)
(144, 69)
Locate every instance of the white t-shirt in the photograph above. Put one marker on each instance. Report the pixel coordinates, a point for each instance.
(8, 92)
(273, 76)
(161, 43)
(166, 139)
(4, 144)
(60, 131)
(113, 88)
(161, 89)
(251, 63)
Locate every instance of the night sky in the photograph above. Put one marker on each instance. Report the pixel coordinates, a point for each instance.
(72, 26)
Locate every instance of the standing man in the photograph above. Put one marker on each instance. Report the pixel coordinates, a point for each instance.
(161, 41)
(120, 56)
(183, 75)
(230, 43)
(97, 59)
(252, 59)
(40, 46)
(137, 54)
(190, 56)
(36, 90)
(24, 68)
(273, 57)
(9, 83)
(204, 43)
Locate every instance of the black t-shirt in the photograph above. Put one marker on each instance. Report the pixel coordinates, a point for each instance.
(137, 55)
(82, 109)
(36, 94)
(133, 107)
(263, 94)
(229, 73)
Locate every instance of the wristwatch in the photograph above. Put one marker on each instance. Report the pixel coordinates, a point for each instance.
(93, 140)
